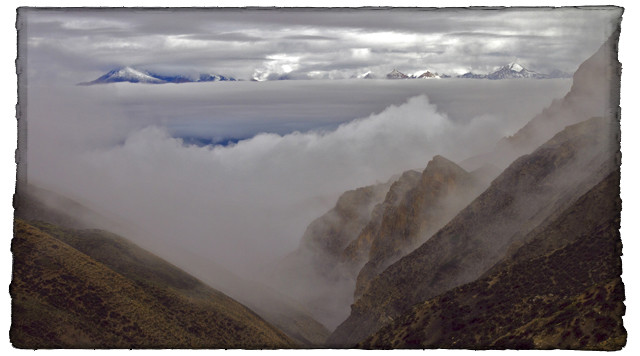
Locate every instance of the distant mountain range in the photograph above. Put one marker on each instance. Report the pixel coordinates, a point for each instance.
(512, 70)
(515, 71)
(132, 75)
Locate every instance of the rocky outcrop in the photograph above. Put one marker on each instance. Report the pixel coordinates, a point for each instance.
(442, 190)
(356, 254)
(332, 232)
(343, 250)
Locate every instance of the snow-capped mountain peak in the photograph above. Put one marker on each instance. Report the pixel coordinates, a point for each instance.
(427, 75)
(511, 71)
(128, 74)
(365, 75)
(132, 75)
(516, 67)
(396, 74)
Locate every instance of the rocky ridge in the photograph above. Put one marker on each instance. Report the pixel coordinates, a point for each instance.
(442, 190)
(562, 289)
(533, 188)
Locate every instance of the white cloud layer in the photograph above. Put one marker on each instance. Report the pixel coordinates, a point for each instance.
(247, 204)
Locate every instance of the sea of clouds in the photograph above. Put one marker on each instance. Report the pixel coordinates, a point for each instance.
(123, 151)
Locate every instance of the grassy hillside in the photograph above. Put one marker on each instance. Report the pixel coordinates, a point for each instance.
(69, 221)
(560, 290)
(122, 298)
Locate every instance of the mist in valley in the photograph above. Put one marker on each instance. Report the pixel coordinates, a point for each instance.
(247, 204)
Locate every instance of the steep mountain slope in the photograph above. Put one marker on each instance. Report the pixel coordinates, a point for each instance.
(352, 243)
(62, 216)
(442, 190)
(35, 203)
(594, 93)
(356, 254)
(330, 233)
(314, 274)
(560, 290)
(530, 190)
(275, 306)
(123, 298)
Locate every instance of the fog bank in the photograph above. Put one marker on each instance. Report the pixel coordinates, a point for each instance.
(248, 204)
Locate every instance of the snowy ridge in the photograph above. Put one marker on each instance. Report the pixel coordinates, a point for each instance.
(132, 75)
(396, 74)
(513, 70)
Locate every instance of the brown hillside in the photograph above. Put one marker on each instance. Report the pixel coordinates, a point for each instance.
(63, 298)
(62, 217)
(560, 290)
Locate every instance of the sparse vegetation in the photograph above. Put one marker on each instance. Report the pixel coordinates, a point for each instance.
(123, 298)
(522, 308)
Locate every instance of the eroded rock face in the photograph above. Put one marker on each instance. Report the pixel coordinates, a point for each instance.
(356, 254)
(315, 274)
(530, 190)
(332, 232)
(442, 190)
(368, 230)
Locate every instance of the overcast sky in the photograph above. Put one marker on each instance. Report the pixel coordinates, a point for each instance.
(79, 45)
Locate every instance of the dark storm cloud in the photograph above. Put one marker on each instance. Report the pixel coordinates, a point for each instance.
(82, 43)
